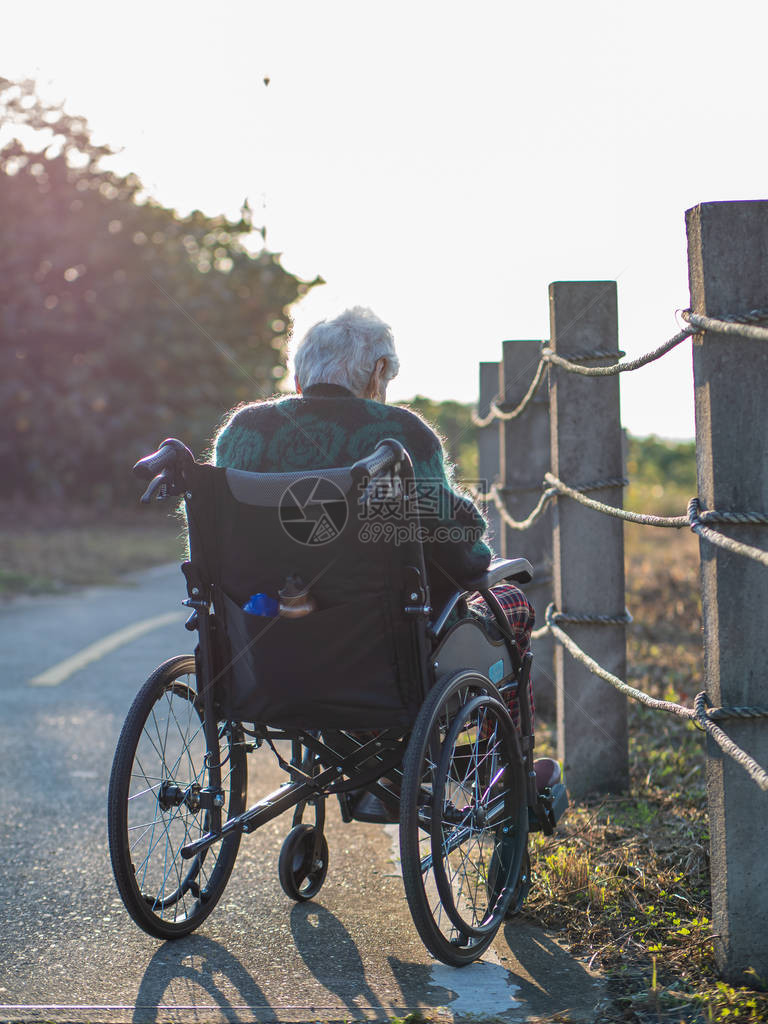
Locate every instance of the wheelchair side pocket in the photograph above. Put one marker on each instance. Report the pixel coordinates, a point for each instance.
(335, 667)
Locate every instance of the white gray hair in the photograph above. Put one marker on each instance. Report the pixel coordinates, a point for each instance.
(345, 351)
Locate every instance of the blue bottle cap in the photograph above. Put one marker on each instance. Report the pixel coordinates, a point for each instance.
(261, 604)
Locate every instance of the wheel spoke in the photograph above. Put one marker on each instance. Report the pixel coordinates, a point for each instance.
(143, 792)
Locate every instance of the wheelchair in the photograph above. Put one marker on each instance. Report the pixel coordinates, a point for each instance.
(374, 696)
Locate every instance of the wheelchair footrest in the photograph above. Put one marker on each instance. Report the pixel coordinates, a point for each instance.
(559, 801)
(368, 807)
(552, 805)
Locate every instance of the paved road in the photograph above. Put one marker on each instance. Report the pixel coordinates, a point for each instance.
(69, 950)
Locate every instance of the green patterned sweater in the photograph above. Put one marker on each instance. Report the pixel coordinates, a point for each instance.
(328, 426)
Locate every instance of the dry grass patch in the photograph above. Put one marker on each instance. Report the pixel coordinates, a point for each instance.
(625, 879)
(44, 549)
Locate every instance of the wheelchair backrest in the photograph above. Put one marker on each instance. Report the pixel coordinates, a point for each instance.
(357, 660)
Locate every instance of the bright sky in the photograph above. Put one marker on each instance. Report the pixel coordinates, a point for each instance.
(442, 162)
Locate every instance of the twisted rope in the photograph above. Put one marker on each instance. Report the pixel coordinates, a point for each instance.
(726, 744)
(497, 413)
(719, 539)
(713, 516)
(631, 517)
(495, 495)
(593, 620)
(745, 712)
(583, 620)
(700, 713)
(522, 524)
(631, 364)
(586, 357)
(629, 691)
(754, 316)
(745, 325)
(518, 489)
(696, 518)
(742, 325)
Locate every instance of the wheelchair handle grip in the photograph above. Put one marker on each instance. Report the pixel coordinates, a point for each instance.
(386, 455)
(171, 454)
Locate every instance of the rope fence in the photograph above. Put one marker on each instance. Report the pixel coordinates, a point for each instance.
(643, 518)
(700, 713)
(696, 518)
(495, 495)
(749, 326)
(609, 371)
(498, 413)
(720, 540)
(745, 325)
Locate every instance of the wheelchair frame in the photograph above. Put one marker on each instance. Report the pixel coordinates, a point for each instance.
(463, 746)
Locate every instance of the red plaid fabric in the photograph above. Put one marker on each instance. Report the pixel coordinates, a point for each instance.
(521, 618)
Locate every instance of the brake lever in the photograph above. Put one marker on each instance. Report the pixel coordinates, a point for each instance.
(158, 489)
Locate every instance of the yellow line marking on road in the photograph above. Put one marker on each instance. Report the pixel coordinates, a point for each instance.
(58, 673)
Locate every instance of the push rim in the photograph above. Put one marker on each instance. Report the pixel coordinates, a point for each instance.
(421, 776)
(475, 811)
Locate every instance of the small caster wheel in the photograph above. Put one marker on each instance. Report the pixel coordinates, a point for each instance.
(521, 889)
(301, 871)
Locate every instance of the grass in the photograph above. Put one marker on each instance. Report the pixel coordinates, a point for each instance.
(45, 549)
(625, 879)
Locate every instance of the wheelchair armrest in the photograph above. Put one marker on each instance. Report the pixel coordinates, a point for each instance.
(518, 569)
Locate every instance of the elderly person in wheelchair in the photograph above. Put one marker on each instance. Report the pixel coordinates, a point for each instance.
(346, 609)
(338, 414)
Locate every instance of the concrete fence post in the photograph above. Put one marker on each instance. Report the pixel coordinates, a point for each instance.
(525, 458)
(728, 274)
(489, 446)
(588, 546)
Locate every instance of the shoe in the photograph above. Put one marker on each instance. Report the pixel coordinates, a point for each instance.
(548, 773)
(368, 807)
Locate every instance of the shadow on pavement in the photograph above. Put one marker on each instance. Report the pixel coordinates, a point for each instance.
(181, 969)
(418, 986)
(329, 952)
(199, 979)
(550, 980)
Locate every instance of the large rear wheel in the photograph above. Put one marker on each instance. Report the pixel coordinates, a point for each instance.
(162, 795)
(464, 817)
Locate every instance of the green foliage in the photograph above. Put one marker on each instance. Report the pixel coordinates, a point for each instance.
(122, 322)
(662, 475)
(453, 421)
(654, 460)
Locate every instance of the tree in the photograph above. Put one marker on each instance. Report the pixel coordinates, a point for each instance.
(453, 421)
(121, 322)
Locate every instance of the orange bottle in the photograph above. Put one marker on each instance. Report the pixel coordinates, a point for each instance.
(295, 599)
